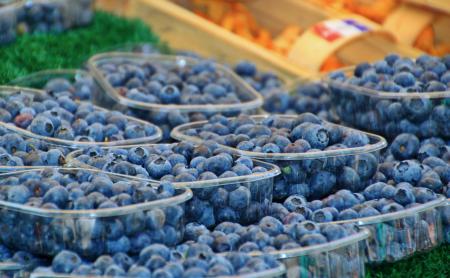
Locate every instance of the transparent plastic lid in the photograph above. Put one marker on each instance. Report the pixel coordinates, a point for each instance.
(8, 90)
(182, 195)
(244, 90)
(362, 234)
(272, 171)
(269, 273)
(376, 143)
(348, 71)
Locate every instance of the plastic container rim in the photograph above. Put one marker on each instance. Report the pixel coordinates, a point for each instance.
(269, 273)
(182, 197)
(381, 143)
(77, 144)
(10, 266)
(256, 102)
(362, 234)
(272, 171)
(381, 94)
(19, 80)
(395, 215)
(127, 47)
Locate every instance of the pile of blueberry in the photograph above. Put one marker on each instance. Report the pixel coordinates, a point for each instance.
(305, 133)
(165, 84)
(244, 201)
(379, 198)
(156, 83)
(156, 260)
(64, 118)
(267, 236)
(425, 163)
(41, 17)
(423, 116)
(422, 163)
(82, 87)
(17, 150)
(262, 82)
(307, 97)
(73, 190)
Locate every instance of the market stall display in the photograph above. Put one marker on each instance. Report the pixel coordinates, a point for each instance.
(269, 178)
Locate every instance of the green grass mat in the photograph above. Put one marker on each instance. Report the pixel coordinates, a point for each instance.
(435, 263)
(31, 53)
(71, 49)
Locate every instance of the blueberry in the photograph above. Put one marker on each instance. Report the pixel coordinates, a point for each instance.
(321, 216)
(18, 194)
(239, 198)
(347, 214)
(322, 183)
(158, 167)
(312, 239)
(65, 262)
(138, 272)
(405, 146)
(349, 179)
(317, 136)
(217, 164)
(407, 171)
(245, 68)
(42, 126)
(365, 165)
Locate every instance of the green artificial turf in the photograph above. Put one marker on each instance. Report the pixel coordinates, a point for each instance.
(31, 53)
(435, 263)
(71, 49)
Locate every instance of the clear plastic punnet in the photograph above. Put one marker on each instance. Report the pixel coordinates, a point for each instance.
(340, 258)
(91, 232)
(390, 113)
(278, 272)
(71, 144)
(206, 210)
(84, 86)
(168, 115)
(398, 235)
(296, 168)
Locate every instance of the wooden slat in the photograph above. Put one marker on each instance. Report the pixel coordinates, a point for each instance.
(183, 29)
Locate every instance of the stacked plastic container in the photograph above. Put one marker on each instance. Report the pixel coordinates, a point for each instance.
(394, 235)
(290, 163)
(258, 184)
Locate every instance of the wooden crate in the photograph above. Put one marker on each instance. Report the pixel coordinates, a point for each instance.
(424, 24)
(118, 7)
(183, 29)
